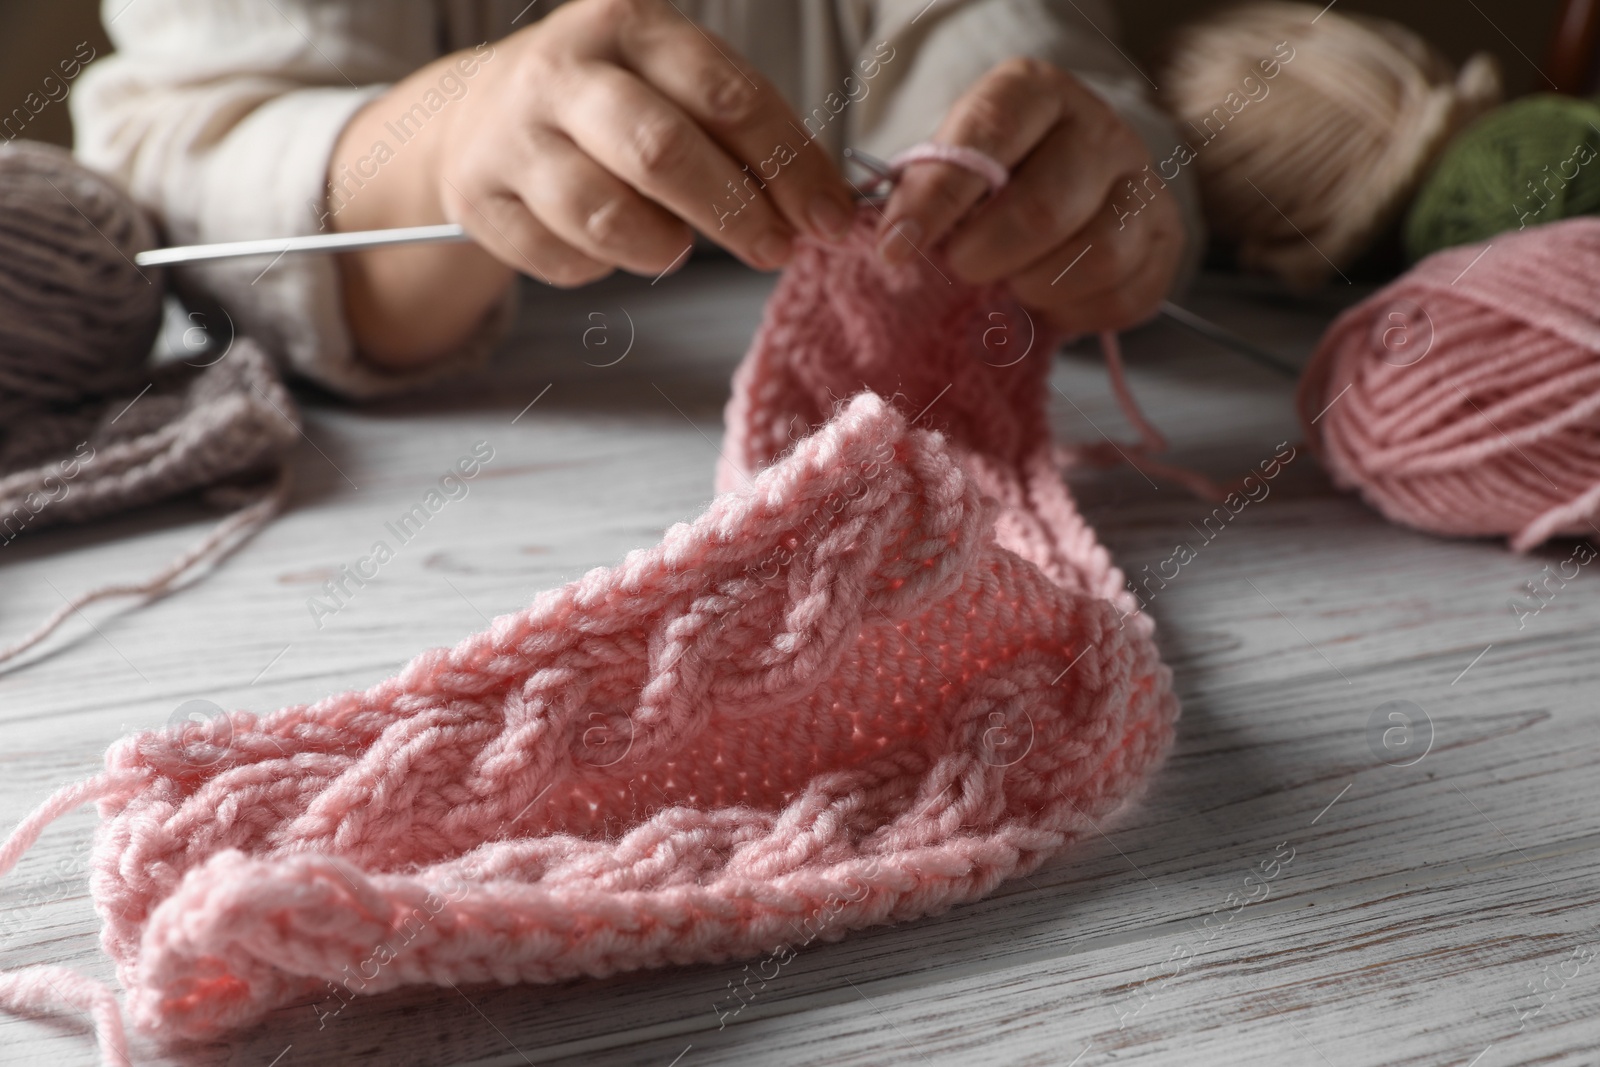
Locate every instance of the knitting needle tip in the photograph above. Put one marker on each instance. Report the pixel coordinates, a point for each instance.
(1227, 339)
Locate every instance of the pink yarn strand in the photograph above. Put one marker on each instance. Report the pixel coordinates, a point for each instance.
(1112, 349)
(1109, 453)
(983, 165)
(49, 990)
(66, 799)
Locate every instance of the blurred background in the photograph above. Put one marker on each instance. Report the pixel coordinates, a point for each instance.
(36, 34)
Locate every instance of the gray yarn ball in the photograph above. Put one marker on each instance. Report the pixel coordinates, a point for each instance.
(77, 318)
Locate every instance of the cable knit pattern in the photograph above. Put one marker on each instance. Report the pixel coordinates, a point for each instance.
(966, 361)
(878, 677)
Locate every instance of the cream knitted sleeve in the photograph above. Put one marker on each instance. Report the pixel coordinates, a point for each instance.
(221, 116)
(937, 49)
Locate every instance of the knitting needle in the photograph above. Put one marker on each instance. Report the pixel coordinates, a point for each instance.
(355, 241)
(1227, 339)
(321, 242)
(874, 166)
(361, 240)
(870, 162)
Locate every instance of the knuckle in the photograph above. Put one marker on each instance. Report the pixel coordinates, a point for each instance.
(1124, 141)
(661, 144)
(1121, 257)
(471, 198)
(608, 225)
(944, 197)
(732, 98)
(1029, 70)
(537, 69)
(990, 123)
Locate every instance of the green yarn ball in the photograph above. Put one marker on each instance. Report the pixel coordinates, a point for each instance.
(1533, 161)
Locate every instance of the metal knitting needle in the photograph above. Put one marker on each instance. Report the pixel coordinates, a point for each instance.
(355, 241)
(323, 242)
(878, 168)
(870, 162)
(360, 240)
(1227, 339)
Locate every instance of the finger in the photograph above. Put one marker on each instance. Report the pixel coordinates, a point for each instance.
(648, 142)
(591, 210)
(1054, 193)
(1004, 116)
(1114, 246)
(498, 221)
(746, 115)
(1103, 278)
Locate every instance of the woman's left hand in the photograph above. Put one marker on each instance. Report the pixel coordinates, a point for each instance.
(1069, 234)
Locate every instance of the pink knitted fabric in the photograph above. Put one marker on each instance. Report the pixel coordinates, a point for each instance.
(965, 361)
(1463, 398)
(984, 166)
(854, 688)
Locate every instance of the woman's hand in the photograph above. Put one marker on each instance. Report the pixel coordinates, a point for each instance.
(596, 138)
(604, 132)
(1068, 234)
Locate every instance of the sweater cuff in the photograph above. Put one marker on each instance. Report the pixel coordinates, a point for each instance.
(294, 306)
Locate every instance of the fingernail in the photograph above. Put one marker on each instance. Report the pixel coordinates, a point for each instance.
(774, 249)
(829, 216)
(899, 241)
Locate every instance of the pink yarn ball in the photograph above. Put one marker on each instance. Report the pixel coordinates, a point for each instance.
(1464, 399)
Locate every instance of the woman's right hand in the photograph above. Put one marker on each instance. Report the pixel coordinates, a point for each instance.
(599, 137)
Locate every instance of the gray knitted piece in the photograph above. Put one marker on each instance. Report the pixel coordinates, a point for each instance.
(190, 430)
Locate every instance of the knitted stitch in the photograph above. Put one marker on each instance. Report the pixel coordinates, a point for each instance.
(964, 360)
(186, 430)
(854, 688)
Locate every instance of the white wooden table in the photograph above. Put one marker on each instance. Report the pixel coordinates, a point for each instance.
(1416, 914)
